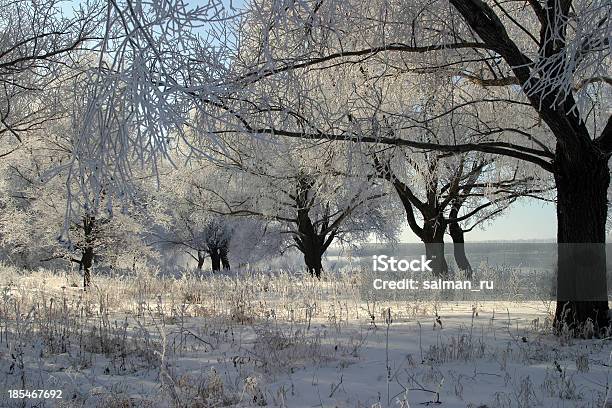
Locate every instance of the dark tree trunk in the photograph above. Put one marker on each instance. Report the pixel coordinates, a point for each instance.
(456, 233)
(432, 235)
(223, 254)
(215, 259)
(434, 224)
(312, 246)
(582, 178)
(311, 240)
(435, 252)
(312, 259)
(86, 264)
(433, 238)
(87, 252)
(201, 259)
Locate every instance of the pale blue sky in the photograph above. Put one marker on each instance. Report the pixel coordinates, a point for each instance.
(528, 219)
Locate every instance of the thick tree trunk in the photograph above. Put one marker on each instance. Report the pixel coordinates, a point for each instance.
(435, 252)
(201, 259)
(582, 178)
(432, 236)
(312, 258)
(215, 259)
(86, 264)
(434, 227)
(456, 233)
(87, 252)
(309, 241)
(223, 254)
(312, 248)
(311, 245)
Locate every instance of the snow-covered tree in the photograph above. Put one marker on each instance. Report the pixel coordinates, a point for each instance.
(371, 102)
(311, 190)
(550, 55)
(44, 220)
(186, 220)
(440, 191)
(35, 215)
(37, 41)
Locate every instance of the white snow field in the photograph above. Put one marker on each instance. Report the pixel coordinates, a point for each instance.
(282, 341)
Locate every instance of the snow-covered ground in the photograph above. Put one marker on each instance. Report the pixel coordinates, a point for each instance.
(282, 340)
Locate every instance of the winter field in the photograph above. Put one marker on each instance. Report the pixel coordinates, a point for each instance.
(179, 178)
(282, 340)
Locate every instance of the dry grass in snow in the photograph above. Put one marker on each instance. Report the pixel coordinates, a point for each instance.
(282, 340)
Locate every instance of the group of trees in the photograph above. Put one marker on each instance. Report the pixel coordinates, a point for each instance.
(552, 56)
(315, 119)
